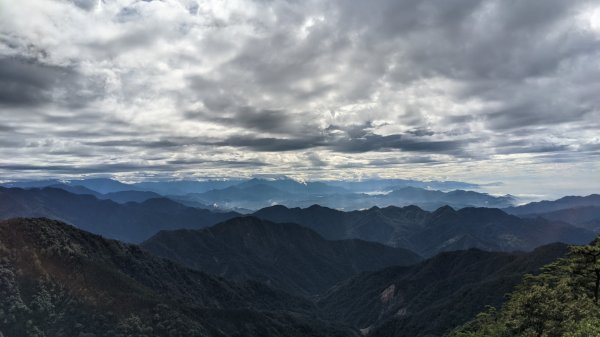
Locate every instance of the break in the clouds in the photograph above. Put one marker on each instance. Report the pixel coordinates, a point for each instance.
(480, 89)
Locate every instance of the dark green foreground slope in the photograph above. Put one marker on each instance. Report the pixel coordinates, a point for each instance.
(434, 296)
(56, 280)
(562, 301)
(285, 256)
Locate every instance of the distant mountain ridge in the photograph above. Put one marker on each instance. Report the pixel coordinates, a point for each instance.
(555, 205)
(257, 193)
(287, 256)
(428, 233)
(131, 222)
(412, 228)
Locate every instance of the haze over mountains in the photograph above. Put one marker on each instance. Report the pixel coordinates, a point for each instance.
(326, 168)
(278, 271)
(131, 222)
(256, 193)
(426, 233)
(429, 233)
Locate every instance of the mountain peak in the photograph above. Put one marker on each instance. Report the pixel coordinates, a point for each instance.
(444, 210)
(286, 255)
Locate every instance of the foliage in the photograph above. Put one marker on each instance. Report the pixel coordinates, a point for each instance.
(560, 301)
(58, 281)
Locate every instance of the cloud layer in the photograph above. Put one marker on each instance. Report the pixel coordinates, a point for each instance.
(316, 89)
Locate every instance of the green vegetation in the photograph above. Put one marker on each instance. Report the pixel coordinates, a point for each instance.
(560, 301)
(56, 280)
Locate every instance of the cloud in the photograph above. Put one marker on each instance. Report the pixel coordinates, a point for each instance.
(177, 83)
(26, 82)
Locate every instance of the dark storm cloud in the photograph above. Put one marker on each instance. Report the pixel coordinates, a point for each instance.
(170, 166)
(270, 144)
(30, 82)
(265, 120)
(159, 144)
(26, 82)
(225, 163)
(528, 146)
(353, 139)
(373, 142)
(400, 161)
(360, 138)
(83, 169)
(5, 128)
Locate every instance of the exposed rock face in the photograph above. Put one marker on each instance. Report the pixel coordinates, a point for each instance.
(388, 294)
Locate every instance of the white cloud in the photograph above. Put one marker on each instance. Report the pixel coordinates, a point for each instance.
(295, 84)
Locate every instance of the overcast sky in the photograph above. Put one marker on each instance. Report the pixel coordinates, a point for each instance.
(475, 90)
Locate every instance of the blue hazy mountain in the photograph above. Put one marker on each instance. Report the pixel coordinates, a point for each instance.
(370, 185)
(181, 187)
(259, 193)
(100, 185)
(546, 206)
(132, 221)
(585, 216)
(428, 233)
(256, 193)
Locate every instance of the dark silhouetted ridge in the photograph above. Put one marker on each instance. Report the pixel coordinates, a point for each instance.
(286, 256)
(62, 281)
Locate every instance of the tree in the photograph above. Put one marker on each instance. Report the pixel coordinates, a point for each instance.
(586, 262)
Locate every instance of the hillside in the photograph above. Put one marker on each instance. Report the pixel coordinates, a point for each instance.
(286, 256)
(434, 296)
(585, 217)
(560, 301)
(57, 280)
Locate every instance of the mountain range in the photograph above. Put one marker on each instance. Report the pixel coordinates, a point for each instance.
(434, 296)
(56, 280)
(428, 233)
(252, 194)
(412, 228)
(61, 281)
(286, 256)
(563, 203)
(131, 222)
(256, 194)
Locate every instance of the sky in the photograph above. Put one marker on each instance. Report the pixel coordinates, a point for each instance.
(475, 90)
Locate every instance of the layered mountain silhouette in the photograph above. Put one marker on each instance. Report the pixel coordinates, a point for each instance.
(56, 280)
(256, 193)
(412, 228)
(432, 297)
(285, 256)
(547, 206)
(580, 211)
(369, 185)
(131, 222)
(428, 233)
(121, 197)
(586, 217)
